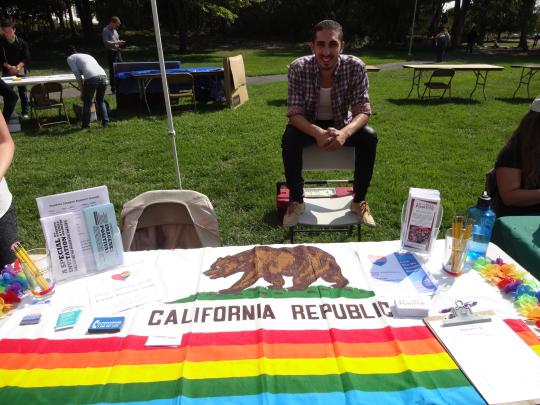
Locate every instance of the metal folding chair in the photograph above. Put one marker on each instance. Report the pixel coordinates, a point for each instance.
(181, 85)
(441, 79)
(332, 213)
(48, 96)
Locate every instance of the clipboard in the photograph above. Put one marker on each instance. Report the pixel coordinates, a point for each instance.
(476, 342)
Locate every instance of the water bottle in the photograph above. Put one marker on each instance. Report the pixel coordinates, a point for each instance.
(484, 219)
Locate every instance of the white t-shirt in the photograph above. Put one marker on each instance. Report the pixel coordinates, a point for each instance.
(85, 65)
(325, 105)
(5, 197)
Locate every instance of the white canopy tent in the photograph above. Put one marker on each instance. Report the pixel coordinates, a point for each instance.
(170, 124)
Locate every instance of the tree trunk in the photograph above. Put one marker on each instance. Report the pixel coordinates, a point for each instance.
(85, 14)
(71, 22)
(460, 12)
(525, 13)
(180, 15)
(60, 15)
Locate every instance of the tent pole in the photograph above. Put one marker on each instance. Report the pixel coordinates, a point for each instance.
(170, 124)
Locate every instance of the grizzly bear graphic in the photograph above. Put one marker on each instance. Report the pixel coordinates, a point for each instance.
(304, 264)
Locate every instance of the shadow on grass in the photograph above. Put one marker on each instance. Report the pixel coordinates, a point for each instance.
(51, 131)
(438, 101)
(158, 112)
(277, 103)
(516, 100)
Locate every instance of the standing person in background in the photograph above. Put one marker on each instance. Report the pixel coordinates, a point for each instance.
(94, 83)
(112, 43)
(471, 39)
(442, 40)
(8, 217)
(15, 55)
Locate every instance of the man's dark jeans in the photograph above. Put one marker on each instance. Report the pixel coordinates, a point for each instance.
(113, 56)
(10, 99)
(95, 85)
(25, 104)
(364, 141)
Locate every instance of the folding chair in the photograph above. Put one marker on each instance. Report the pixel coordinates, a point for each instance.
(169, 219)
(42, 97)
(445, 84)
(325, 213)
(181, 85)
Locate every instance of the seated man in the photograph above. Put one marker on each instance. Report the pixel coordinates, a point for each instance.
(322, 87)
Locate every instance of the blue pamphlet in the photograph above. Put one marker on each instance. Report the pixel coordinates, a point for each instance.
(104, 235)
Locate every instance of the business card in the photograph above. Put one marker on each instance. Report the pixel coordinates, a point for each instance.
(107, 324)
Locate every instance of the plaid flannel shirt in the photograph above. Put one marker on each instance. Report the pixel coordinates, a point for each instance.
(350, 89)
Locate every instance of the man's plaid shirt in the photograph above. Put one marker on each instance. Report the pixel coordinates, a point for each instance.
(350, 88)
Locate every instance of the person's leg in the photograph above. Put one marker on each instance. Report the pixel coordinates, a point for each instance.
(10, 99)
(365, 143)
(8, 235)
(100, 101)
(25, 104)
(292, 143)
(89, 89)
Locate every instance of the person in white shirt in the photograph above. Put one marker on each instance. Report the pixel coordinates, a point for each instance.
(8, 217)
(92, 81)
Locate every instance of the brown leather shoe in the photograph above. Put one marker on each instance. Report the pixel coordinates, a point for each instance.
(294, 210)
(362, 210)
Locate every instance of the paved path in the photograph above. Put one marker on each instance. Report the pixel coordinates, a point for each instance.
(71, 92)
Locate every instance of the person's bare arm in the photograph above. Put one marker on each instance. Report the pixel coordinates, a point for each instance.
(510, 190)
(7, 147)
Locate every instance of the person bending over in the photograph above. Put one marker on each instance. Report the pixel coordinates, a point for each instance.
(517, 168)
(322, 87)
(8, 217)
(92, 81)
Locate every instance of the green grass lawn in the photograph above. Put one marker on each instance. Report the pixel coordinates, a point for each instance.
(234, 156)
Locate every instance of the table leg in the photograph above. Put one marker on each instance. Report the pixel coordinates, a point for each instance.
(417, 76)
(481, 80)
(146, 83)
(525, 78)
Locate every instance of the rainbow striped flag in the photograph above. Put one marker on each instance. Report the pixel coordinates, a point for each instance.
(320, 345)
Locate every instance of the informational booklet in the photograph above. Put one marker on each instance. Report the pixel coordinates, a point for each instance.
(64, 244)
(478, 350)
(52, 211)
(104, 235)
(417, 234)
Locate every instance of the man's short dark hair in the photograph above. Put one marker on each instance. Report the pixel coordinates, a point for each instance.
(114, 19)
(71, 50)
(329, 25)
(7, 23)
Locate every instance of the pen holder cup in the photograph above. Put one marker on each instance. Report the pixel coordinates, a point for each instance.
(455, 254)
(434, 233)
(39, 274)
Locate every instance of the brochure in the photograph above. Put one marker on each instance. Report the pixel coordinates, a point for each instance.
(417, 234)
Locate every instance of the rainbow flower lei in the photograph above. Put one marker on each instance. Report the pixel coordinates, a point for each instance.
(516, 283)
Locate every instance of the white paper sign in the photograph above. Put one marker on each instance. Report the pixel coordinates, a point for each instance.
(123, 288)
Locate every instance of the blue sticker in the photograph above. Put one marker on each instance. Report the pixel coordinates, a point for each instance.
(106, 325)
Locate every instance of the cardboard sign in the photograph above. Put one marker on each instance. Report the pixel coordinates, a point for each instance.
(235, 81)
